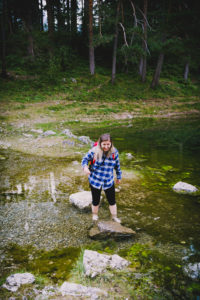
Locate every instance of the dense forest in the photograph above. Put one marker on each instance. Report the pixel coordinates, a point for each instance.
(131, 36)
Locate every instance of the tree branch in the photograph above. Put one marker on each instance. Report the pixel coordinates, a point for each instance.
(124, 34)
(134, 13)
(145, 19)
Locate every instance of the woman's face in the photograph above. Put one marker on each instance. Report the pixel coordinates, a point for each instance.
(105, 146)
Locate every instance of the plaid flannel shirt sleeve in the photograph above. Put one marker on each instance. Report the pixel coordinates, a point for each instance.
(88, 157)
(117, 166)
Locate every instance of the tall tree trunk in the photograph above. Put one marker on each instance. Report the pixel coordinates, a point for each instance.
(158, 70)
(91, 47)
(99, 16)
(85, 21)
(74, 16)
(59, 15)
(3, 33)
(31, 46)
(115, 45)
(50, 17)
(28, 28)
(10, 18)
(144, 64)
(186, 72)
(36, 14)
(141, 66)
(41, 16)
(68, 17)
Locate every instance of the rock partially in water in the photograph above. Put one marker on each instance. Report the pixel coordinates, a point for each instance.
(27, 135)
(69, 143)
(129, 156)
(79, 290)
(49, 132)
(47, 292)
(193, 270)
(82, 200)
(185, 188)
(4, 145)
(95, 263)
(105, 229)
(14, 281)
(85, 139)
(39, 131)
(69, 133)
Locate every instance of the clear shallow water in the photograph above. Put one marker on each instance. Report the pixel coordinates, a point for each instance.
(165, 152)
(35, 210)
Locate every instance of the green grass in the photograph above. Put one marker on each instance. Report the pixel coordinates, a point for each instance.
(128, 87)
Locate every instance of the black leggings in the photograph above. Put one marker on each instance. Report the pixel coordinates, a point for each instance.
(96, 194)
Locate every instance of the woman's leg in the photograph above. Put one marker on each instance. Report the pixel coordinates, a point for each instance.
(96, 194)
(110, 195)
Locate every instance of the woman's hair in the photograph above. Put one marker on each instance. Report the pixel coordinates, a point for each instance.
(98, 152)
(105, 137)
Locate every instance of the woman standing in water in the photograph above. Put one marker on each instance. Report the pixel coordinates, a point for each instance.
(102, 160)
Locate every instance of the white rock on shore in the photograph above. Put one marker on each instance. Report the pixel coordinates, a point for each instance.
(95, 263)
(78, 290)
(69, 133)
(13, 282)
(183, 187)
(82, 200)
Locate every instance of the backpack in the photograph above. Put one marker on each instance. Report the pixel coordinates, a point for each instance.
(91, 163)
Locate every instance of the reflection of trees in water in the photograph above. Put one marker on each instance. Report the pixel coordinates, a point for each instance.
(34, 185)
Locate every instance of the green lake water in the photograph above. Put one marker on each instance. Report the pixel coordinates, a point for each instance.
(165, 152)
(36, 213)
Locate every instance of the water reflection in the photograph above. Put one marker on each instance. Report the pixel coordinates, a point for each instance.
(52, 188)
(33, 185)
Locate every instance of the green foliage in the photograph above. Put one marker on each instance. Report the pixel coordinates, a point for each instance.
(54, 265)
(156, 274)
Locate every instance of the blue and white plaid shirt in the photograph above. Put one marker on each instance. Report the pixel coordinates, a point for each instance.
(102, 170)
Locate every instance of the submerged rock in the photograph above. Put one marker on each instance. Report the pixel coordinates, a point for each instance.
(79, 290)
(14, 281)
(82, 200)
(95, 263)
(109, 228)
(183, 187)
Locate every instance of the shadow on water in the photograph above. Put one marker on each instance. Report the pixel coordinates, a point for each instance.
(35, 210)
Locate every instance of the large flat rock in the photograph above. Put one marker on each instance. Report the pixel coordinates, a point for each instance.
(110, 229)
(82, 200)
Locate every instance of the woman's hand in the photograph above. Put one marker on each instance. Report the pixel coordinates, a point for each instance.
(86, 171)
(118, 181)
